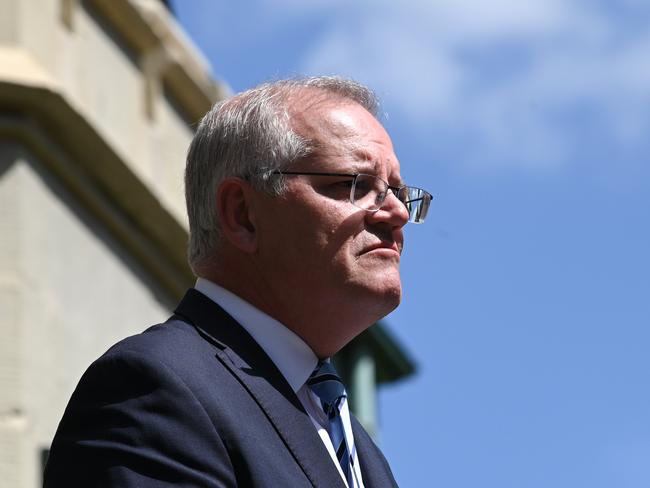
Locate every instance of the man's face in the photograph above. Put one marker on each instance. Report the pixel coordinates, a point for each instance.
(326, 255)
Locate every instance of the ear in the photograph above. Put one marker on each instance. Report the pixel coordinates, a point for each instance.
(236, 216)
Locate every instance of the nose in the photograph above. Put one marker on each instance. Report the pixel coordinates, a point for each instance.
(392, 211)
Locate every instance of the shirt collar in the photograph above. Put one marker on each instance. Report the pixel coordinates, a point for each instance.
(289, 353)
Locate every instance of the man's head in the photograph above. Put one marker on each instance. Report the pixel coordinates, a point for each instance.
(295, 245)
(249, 136)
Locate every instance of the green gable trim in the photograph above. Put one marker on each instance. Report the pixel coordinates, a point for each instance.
(392, 361)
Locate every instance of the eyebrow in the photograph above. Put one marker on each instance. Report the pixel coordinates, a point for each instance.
(368, 164)
(401, 183)
(372, 170)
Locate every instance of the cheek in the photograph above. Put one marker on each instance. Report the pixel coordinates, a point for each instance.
(323, 232)
(342, 234)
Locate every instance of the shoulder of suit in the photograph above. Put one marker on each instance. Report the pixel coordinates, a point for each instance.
(172, 342)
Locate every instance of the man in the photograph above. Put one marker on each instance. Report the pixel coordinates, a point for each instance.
(296, 209)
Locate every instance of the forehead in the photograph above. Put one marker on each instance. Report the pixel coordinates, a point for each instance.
(345, 137)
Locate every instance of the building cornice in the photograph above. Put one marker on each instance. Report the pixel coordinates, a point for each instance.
(71, 149)
(165, 52)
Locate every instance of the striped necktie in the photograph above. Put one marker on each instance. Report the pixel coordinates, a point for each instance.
(328, 387)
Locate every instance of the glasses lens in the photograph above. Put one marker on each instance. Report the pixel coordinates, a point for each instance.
(417, 203)
(368, 192)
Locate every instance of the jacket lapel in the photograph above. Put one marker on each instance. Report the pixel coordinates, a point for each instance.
(247, 361)
(375, 470)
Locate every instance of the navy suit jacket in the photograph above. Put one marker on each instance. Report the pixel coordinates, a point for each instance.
(194, 402)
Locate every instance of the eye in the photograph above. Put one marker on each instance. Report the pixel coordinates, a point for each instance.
(338, 189)
(363, 186)
(344, 183)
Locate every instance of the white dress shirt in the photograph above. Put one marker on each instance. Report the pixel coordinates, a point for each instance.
(293, 358)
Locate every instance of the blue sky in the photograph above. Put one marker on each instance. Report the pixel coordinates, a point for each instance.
(527, 292)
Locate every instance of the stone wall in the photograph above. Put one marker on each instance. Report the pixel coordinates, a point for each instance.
(97, 98)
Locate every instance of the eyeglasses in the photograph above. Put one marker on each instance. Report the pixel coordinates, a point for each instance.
(369, 192)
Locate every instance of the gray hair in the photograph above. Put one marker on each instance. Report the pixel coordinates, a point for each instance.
(250, 136)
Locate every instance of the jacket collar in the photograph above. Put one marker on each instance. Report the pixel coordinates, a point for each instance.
(247, 361)
(375, 470)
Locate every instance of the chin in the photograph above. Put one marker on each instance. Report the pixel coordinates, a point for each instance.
(392, 298)
(385, 298)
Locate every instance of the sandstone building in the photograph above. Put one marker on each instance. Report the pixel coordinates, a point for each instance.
(97, 103)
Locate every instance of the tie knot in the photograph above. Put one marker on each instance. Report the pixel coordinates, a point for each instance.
(327, 386)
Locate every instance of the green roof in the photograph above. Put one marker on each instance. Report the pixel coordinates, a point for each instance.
(392, 361)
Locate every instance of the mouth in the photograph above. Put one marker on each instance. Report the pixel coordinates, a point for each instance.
(390, 248)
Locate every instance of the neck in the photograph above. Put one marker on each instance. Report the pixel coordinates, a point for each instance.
(321, 322)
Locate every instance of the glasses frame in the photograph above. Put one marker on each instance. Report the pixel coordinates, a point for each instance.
(354, 176)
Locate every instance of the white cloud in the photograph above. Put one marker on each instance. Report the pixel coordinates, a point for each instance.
(444, 65)
(519, 81)
(413, 74)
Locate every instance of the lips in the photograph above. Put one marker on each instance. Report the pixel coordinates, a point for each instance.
(392, 246)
